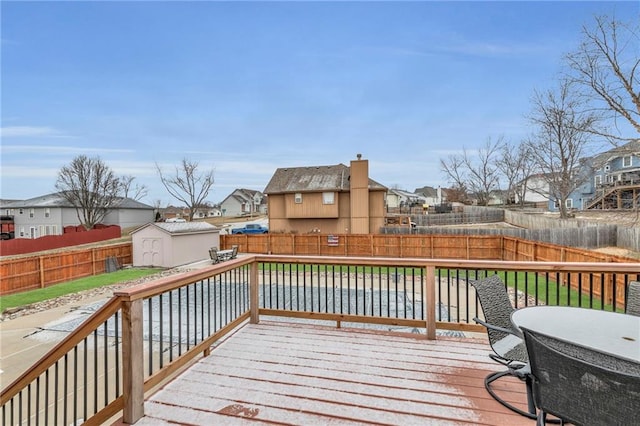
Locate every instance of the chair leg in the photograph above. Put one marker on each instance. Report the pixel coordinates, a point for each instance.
(531, 406)
(531, 414)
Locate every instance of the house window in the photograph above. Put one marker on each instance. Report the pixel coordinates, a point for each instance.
(21, 211)
(598, 180)
(47, 213)
(22, 230)
(48, 230)
(328, 197)
(297, 198)
(569, 203)
(32, 213)
(626, 161)
(607, 168)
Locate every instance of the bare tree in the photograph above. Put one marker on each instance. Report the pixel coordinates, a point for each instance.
(91, 187)
(606, 67)
(482, 173)
(188, 184)
(453, 168)
(473, 173)
(129, 190)
(516, 166)
(562, 133)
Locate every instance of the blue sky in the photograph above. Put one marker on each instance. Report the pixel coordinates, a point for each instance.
(248, 87)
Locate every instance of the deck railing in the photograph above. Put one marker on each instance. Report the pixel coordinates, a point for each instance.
(146, 334)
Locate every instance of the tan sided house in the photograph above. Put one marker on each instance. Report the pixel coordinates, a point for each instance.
(326, 199)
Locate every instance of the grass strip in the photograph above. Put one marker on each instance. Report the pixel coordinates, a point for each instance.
(87, 283)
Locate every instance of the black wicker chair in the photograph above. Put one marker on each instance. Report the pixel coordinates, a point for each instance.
(580, 385)
(508, 347)
(633, 298)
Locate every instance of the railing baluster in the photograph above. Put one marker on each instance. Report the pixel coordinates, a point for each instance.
(46, 398)
(106, 365)
(75, 383)
(179, 321)
(55, 396)
(85, 411)
(95, 372)
(150, 335)
(64, 387)
(116, 327)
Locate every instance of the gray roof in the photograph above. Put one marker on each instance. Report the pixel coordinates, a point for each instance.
(630, 148)
(313, 179)
(427, 191)
(180, 227)
(57, 200)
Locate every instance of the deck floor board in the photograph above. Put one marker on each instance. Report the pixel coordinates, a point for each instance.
(279, 373)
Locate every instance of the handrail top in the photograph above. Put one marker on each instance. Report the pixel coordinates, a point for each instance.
(175, 281)
(460, 263)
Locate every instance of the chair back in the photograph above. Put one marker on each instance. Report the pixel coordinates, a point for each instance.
(213, 254)
(234, 251)
(633, 299)
(572, 383)
(497, 310)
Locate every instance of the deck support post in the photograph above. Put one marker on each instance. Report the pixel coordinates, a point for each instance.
(254, 296)
(133, 361)
(429, 301)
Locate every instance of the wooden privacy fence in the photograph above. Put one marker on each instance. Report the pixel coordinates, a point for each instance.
(28, 273)
(470, 247)
(32, 272)
(466, 247)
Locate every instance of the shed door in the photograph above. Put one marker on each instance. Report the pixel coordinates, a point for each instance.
(152, 252)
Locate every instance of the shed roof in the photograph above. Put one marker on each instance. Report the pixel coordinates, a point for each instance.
(313, 179)
(180, 227)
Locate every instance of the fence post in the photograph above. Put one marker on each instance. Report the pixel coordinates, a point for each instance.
(429, 301)
(42, 272)
(133, 361)
(254, 295)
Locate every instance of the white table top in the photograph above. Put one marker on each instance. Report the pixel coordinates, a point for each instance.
(613, 333)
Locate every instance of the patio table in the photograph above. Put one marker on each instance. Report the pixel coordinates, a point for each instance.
(609, 332)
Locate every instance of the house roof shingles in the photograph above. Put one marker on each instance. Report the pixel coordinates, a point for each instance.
(313, 179)
(57, 200)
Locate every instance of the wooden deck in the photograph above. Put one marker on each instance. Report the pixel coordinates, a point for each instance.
(285, 373)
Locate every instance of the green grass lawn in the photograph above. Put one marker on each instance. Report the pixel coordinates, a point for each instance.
(33, 296)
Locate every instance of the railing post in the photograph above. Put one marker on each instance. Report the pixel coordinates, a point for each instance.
(429, 301)
(254, 296)
(133, 361)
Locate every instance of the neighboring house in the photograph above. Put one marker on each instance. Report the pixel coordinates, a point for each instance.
(536, 191)
(205, 212)
(432, 195)
(614, 181)
(498, 197)
(400, 201)
(170, 212)
(242, 202)
(326, 199)
(49, 214)
(609, 181)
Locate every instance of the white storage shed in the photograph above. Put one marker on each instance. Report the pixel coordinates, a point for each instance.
(173, 244)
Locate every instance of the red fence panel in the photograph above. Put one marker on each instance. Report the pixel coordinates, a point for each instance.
(25, 245)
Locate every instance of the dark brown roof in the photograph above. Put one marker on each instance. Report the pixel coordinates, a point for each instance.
(313, 179)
